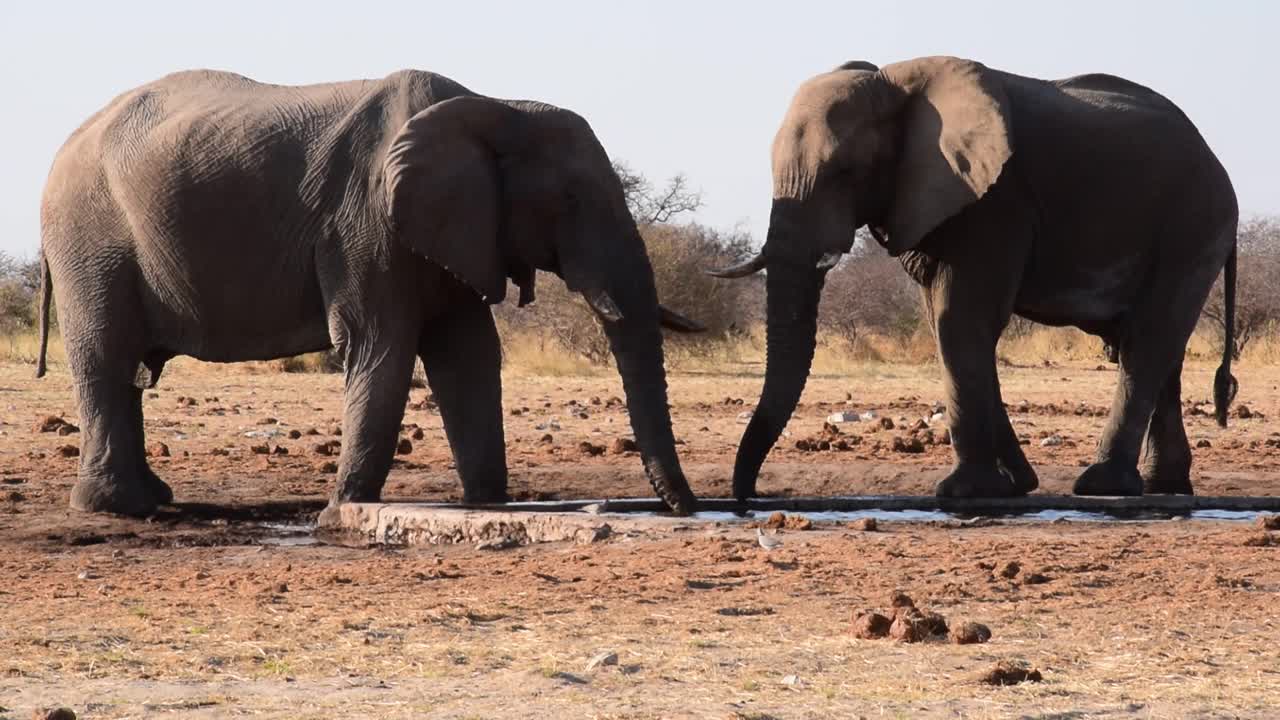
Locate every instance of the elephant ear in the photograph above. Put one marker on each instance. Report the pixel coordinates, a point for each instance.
(956, 140)
(443, 188)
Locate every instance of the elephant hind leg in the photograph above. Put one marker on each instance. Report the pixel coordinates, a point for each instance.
(1167, 458)
(1151, 350)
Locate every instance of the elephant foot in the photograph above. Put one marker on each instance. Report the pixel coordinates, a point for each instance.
(331, 517)
(1109, 479)
(158, 488)
(1024, 477)
(487, 496)
(115, 495)
(1167, 480)
(970, 480)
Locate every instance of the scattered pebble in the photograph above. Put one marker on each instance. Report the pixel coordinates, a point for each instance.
(262, 449)
(899, 599)
(912, 445)
(870, 625)
(295, 434)
(327, 468)
(54, 714)
(624, 445)
(68, 451)
(280, 450)
(867, 524)
(418, 434)
(404, 447)
(1010, 570)
(1268, 522)
(157, 449)
(886, 423)
(268, 421)
(590, 448)
(1051, 441)
(602, 659)
(970, 633)
(1204, 444)
(1010, 673)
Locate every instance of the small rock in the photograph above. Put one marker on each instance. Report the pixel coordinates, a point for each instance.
(418, 434)
(68, 451)
(886, 423)
(268, 421)
(791, 680)
(322, 449)
(870, 625)
(919, 425)
(933, 623)
(157, 449)
(67, 428)
(404, 447)
(336, 430)
(1268, 522)
(1035, 578)
(906, 629)
(776, 520)
(1010, 570)
(546, 439)
(602, 659)
(970, 633)
(262, 449)
(899, 599)
(312, 431)
(48, 423)
(1051, 441)
(1204, 444)
(327, 468)
(624, 445)
(281, 587)
(1008, 673)
(844, 416)
(280, 450)
(912, 445)
(54, 714)
(1243, 412)
(590, 448)
(744, 417)
(295, 434)
(219, 451)
(867, 524)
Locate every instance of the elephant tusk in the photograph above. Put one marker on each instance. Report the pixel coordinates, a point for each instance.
(828, 260)
(673, 320)
(878, 234)
(604, 306)
(750, 267)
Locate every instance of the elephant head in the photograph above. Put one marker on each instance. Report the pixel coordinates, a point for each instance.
(900, 150)
(492, 189)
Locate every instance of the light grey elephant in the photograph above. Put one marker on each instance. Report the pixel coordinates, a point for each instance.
(1091, 201)
(209, 215)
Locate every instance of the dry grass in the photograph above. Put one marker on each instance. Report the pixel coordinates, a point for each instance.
(529, 354)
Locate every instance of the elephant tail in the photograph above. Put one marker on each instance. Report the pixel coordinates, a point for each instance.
(1224, 384)
(46, 298)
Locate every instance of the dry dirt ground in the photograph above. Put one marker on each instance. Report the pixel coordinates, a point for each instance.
(200, 612)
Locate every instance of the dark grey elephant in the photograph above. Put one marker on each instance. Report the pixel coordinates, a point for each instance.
(209, 215)
(1091, 201)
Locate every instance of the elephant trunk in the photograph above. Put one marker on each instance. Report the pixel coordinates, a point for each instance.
(636, 342)
(792, 325)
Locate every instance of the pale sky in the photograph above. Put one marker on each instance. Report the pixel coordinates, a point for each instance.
(683, 86)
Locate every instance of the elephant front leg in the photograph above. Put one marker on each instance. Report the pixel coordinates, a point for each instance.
(113, 476)
(981, 436)
(376, 389)
(463, 360)
(1010, 458)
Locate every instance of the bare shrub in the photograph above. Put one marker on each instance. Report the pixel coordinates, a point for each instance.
(19, 290)
(678, 253)
(1257, 286)
(870, 293)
